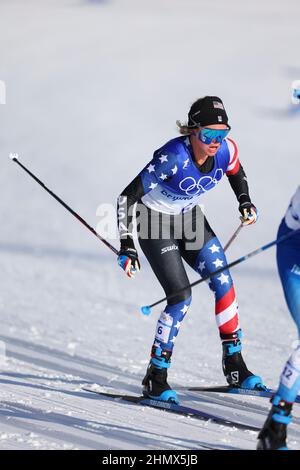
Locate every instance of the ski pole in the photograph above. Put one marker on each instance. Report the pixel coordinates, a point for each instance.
(14, 157)
(233, 236)
(146, 310)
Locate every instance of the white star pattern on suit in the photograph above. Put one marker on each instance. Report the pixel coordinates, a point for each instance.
(163, 158)
(174, 170)
(151, 168)
(152, 185)
(218, 263)
(201, 266)
(163, 176)
(214, 248)
(184, 309)
(223, 279)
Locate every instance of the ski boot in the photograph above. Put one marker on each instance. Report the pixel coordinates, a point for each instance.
(273, 434)
(155, 383)
(234, 367)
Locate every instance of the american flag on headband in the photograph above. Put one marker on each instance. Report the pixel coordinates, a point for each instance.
(218, 105)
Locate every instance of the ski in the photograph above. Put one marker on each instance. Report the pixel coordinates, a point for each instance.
(235, 391)
(174, 408)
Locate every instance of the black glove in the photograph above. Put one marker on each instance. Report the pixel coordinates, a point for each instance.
(128, 258)
(248, 210)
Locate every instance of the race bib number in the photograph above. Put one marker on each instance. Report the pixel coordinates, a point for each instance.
(163, 332)
(163, 328)
(289, 376)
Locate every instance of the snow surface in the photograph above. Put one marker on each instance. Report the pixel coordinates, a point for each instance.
(93, 87)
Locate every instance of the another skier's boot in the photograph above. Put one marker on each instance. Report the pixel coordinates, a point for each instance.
(234, 367)
(155, 383)
(273, 434)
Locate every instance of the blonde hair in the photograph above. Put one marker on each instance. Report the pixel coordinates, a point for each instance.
(183, 128)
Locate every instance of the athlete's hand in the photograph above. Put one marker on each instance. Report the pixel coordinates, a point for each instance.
(129, 261)
(249, 213)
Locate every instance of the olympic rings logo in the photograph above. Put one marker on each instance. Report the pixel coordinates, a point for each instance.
(188, 185)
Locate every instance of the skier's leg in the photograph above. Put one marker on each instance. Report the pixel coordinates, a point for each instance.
(288, 262)
(166, 262)
(274, 431)
(205, 261)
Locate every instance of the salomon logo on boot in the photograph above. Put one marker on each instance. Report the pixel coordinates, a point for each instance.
(235, 377)
(234, 367)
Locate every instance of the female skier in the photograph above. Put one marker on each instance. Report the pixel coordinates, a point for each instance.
(273, 434)
(172, 227)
